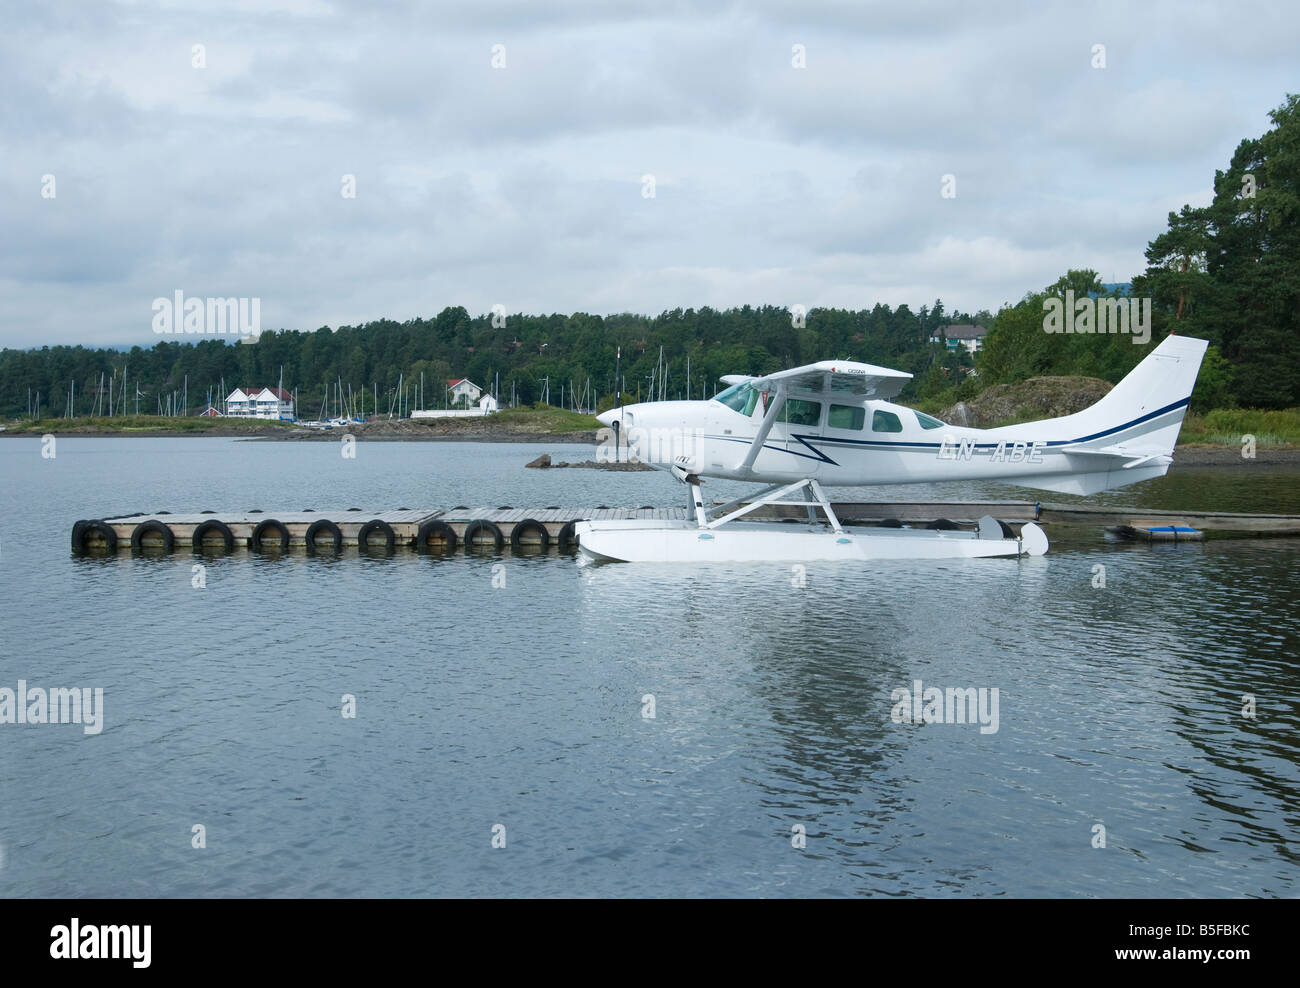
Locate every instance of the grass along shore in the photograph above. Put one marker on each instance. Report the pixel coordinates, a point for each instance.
(1228, 426)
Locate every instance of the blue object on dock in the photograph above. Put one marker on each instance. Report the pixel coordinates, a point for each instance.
(1174, 532)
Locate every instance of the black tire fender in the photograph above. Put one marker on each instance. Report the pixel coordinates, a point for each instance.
(568, 537)
(529, 525)
(212, 525)
(376, 525)
(323, 525)
(266, 526)
(483, 525)
(103, 529)
(436, 527)
(153, 525)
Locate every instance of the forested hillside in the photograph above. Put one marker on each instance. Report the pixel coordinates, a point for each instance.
(524, 352)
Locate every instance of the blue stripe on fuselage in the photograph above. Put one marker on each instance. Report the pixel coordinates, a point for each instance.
(821, 457)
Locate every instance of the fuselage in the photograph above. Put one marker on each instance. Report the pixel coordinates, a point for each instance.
(869, 442)
(830, 422)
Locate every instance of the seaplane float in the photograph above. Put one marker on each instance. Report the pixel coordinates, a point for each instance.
(831, 424)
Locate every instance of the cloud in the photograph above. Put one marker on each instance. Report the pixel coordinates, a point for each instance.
(524, 185)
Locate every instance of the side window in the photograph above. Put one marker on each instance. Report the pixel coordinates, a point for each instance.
(885, 422)
(847, 417)
(799, 412)
(928, 422)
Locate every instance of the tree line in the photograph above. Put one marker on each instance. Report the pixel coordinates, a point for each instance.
(529, 355)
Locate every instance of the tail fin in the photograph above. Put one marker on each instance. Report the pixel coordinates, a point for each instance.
(1131, 432)
(1161, 384)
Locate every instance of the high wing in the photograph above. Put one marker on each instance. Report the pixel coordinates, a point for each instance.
(827, 377)
(836, 377)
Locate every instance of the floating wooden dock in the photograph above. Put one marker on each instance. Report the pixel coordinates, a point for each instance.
(439, 530)
(1219, 523)
(542, 529)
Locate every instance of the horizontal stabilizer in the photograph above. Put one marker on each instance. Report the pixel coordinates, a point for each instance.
(1096, 481)
(1135, 455)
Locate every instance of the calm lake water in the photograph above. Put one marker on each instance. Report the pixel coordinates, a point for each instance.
(521, 705)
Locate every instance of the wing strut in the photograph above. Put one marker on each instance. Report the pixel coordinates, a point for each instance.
(769, 420)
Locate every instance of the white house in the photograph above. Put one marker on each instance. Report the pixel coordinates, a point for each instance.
(971, 337)
(463, 391)
(486, 406)
(259, 403)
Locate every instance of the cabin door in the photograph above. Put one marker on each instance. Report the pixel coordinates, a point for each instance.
(796, 431)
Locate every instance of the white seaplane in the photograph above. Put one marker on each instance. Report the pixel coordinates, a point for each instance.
(830, 423)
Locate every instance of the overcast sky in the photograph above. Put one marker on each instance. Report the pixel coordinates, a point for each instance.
(523, 185)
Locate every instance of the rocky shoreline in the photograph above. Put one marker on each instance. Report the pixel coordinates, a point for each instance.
(544, 462)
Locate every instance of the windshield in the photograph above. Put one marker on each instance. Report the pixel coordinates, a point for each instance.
(739, 398)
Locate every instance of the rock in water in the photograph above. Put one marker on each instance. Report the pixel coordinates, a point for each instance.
(542, 462)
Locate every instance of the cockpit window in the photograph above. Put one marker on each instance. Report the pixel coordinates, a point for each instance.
(739, 398)
(929, 422)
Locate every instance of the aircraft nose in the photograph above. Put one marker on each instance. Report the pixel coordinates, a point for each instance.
(607, 418)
